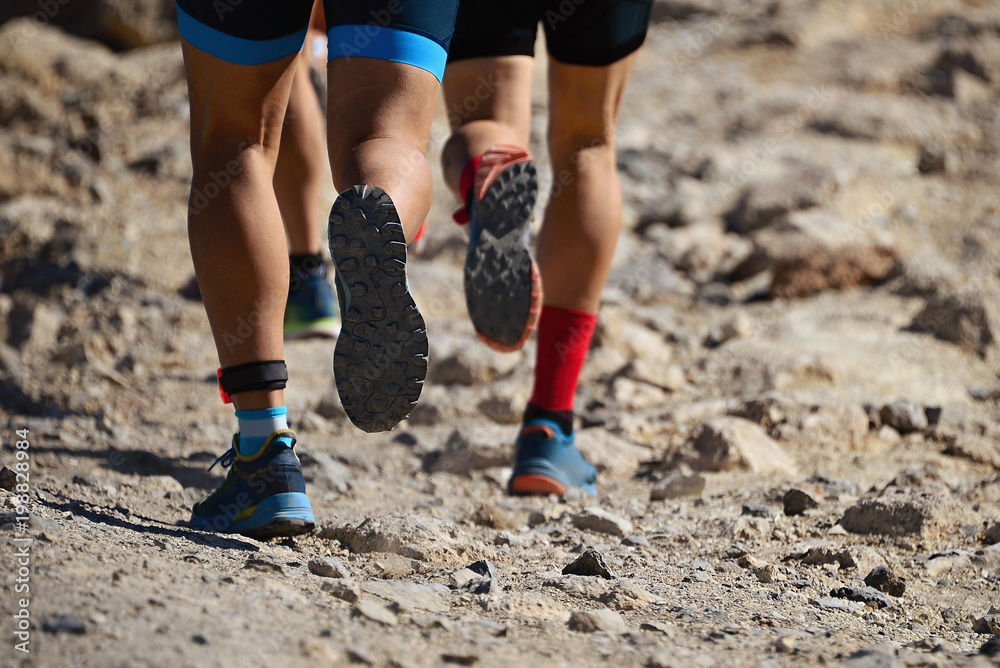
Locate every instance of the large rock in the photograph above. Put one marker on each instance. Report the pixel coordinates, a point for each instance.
(929, 513)
(410, 535)
(728, 443)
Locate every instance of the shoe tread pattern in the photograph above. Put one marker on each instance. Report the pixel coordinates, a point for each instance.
(380, 360)
(498, 267)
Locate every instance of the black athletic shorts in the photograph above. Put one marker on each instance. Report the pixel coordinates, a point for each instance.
(253, 32)
(577, 32)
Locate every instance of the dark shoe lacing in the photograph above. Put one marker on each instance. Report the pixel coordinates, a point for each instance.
(226, 459)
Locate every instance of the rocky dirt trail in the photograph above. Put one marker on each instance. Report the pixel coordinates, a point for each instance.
(792, 396)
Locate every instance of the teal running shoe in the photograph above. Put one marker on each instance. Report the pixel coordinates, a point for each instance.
(547, 462)
(311, 310)
(264, 495)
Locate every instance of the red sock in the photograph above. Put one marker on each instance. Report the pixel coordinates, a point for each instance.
(563, 339)
(465, 183)
(468, 177)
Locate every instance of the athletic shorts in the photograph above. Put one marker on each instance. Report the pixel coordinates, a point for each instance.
(253, 32)
(577, 32)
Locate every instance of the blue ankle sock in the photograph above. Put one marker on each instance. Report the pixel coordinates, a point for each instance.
(256, 426)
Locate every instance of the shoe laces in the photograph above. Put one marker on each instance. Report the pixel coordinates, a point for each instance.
(226, 459)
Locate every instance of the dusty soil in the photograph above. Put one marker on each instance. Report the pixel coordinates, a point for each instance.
(806, 297)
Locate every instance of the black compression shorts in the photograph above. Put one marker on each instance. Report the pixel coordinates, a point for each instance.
(253, 32)
(577, 32)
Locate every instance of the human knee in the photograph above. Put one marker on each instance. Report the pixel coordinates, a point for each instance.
(574, 154)
(232, 157)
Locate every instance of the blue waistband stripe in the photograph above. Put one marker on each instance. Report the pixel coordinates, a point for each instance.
(386, 43)
(234, 49)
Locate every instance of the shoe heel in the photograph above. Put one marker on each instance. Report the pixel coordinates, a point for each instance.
(535, 484)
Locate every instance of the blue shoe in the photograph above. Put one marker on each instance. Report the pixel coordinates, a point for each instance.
(311, 309)
(547, 462)
(264, 495)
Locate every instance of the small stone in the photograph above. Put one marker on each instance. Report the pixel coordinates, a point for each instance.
(676, 485)
(375, 612)
(757, 511)
(485, 568)
(697, 576)
(591, 563)
(197, 557)
(904, 415)
(8, 478)
(797, 502)
(657, 627)
(769, 574)
(750, 562)
(988, 623)
(460, 659)
(593, 621)
(70, 623)
(883, 579)
(601, 521)
(328, 567)
(866, 595)
(345, 590)
(262, 565)
(836, 604)
(784, 645)
(636, 541)
(199, 639)
(991, 647)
